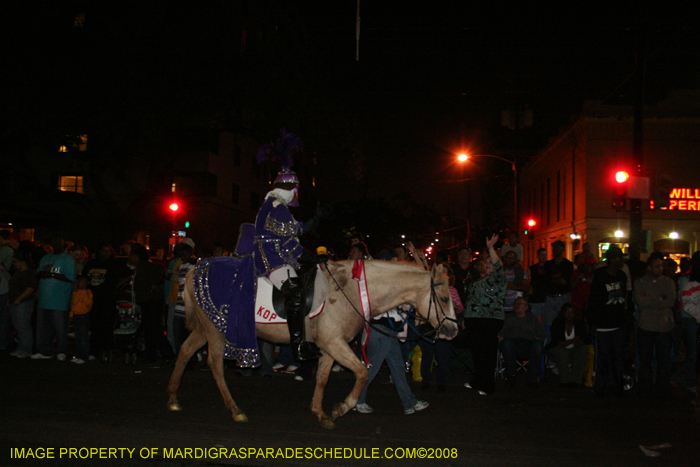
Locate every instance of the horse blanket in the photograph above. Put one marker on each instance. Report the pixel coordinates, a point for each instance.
(224, 288)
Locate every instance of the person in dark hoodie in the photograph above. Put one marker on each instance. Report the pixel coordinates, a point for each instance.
(607, 317)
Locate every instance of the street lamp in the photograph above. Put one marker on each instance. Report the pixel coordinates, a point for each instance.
(464, 157)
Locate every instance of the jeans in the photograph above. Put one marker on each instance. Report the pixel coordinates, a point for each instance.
(690, 334)
(647, 343)
(180, 332)
(81, 328)
(609, 360)
(442, 350)
(50, 324)
(522, 349)
(22, 321)
(5, 323)
(552, 307)
(381, 348)
(537, 309)
(169, 323)
(267, 352)
(577, 357)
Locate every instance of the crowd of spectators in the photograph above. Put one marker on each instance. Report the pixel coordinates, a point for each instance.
(581, 316)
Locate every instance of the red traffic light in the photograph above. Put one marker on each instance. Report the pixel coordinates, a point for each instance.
(174, 207)
(621, 176)
(531, 223)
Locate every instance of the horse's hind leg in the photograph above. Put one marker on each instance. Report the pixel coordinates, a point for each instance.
(325, 363)
(195, 341)
(216, 365)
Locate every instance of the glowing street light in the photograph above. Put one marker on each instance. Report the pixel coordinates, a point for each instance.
(619, 233)
(674, 235)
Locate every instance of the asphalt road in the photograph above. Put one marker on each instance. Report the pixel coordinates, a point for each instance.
(53, 405)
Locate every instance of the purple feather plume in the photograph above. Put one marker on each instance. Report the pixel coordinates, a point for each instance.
(282, 151)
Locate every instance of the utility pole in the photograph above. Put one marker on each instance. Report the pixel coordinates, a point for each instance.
(638, 136)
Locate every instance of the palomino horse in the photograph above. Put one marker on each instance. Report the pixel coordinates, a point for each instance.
(388, 285)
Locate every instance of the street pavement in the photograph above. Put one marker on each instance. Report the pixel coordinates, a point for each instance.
(48, 407)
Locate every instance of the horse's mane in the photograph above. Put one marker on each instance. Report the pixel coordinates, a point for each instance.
(396, 266)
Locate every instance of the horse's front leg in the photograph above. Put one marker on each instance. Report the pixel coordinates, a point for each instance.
(346, 357)
(325, 363)
(194, 342)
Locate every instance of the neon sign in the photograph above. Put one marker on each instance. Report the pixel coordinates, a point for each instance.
(685, 199)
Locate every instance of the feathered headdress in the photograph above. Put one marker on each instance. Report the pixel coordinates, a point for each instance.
(287, 144)
(281, 151)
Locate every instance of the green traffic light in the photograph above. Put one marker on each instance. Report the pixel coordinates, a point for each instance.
(187, 224)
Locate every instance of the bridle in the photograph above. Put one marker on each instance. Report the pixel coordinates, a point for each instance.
(433, 300)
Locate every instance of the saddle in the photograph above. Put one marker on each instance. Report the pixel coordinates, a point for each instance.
(307, 273)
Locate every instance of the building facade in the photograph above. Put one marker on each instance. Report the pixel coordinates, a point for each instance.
(568, 188)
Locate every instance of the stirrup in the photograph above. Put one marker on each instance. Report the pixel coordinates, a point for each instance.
(307, 351)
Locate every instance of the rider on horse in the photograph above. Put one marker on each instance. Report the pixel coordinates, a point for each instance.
(277, 247)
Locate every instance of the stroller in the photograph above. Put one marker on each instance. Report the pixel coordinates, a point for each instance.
(128, 333)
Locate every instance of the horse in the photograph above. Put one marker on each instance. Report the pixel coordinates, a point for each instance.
(389, 284)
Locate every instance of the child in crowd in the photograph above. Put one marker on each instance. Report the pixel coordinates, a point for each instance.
(81, 304)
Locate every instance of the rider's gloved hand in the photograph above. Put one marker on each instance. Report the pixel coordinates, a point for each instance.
(322, 211)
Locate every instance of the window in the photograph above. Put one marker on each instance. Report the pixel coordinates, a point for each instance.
(72, 183)
(78, 142)
(236, 155)
(235, 193)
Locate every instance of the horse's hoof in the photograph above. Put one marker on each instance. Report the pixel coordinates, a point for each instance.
(174, 407)
(338, 411)
(327, 423)
(241, 417)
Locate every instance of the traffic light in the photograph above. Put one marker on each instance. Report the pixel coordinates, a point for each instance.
(530, 231)
(662, 191)
(173, 207)
(620, 187)
(187, 224)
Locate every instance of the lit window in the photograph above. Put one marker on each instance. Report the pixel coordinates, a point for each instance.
(79, 20)
(72, 183)
(82, 143)
(62, 149)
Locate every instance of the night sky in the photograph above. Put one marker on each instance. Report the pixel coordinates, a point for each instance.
(431, 80)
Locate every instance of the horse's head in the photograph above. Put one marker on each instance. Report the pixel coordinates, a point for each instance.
(440, 312)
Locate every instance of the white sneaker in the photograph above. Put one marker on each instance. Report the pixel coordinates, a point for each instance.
(61, 357)
(337, 368)
(21, 354)
(291, 368)
(41, 356)
(299, 378)
(15, 353)
(92, 358)
(278, 367)
(420, 405)
(79, 361)
(468, 385)
(363, 408)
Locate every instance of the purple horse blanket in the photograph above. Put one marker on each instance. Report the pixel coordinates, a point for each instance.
(224, 288)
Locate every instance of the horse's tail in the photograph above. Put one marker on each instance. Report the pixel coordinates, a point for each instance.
(191, 318)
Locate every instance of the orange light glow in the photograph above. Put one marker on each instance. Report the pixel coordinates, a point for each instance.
(462, 157)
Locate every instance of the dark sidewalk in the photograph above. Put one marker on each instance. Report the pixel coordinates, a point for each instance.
(60, 404)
